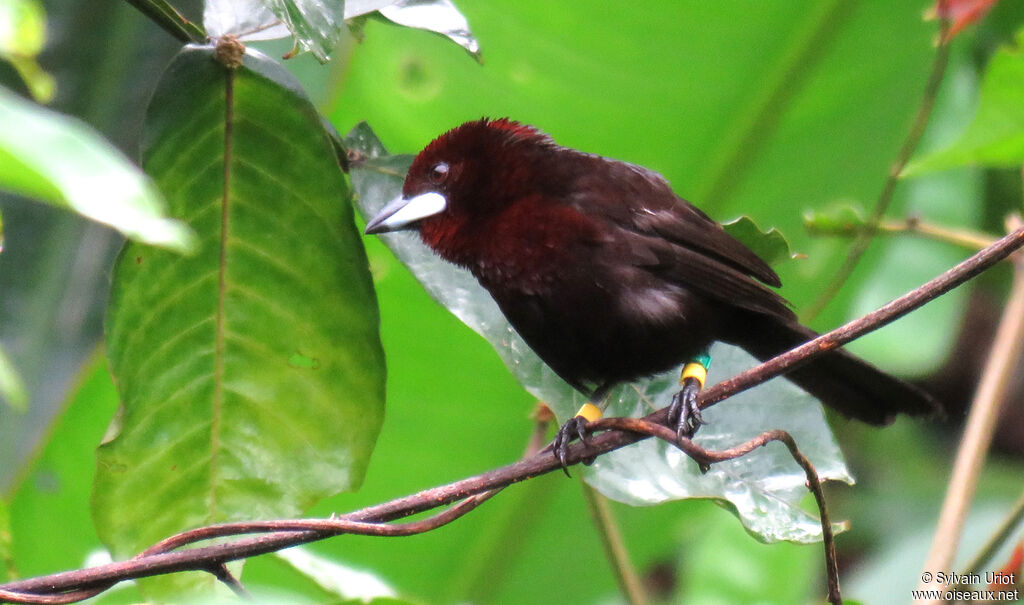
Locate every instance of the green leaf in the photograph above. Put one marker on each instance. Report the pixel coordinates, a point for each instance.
(251, 374)
(771, 245)
(58, 160)
(996, 135)
(764, 488)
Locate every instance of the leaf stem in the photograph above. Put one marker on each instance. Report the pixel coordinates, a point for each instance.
(167, 17)
(917, 128)
(614, 546)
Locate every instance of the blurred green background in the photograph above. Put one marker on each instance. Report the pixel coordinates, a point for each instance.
(768, 109)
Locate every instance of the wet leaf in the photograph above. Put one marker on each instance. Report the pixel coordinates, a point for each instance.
(315, 26)
(439, 16)
(318, 26)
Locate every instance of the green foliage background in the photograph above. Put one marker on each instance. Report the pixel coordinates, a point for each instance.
(764, 109)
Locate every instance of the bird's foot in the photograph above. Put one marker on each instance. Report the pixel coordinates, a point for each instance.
(684, 413)
(574, 428)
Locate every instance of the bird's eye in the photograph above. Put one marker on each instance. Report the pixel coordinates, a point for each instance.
(439, 172)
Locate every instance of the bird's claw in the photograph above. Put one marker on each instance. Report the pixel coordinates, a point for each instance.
(683, 412)
(574, 428)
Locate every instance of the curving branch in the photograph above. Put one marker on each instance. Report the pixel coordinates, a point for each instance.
(70, 586)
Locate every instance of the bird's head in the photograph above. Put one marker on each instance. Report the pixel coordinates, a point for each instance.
(468, 173)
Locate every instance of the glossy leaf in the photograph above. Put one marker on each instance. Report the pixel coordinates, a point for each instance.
(251, 374)
(246, 19)
(439, 16)
(764, 488)
(57, 159)
(995, 136)
(315, 26)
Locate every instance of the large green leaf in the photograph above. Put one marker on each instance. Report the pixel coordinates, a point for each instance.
(251, 374)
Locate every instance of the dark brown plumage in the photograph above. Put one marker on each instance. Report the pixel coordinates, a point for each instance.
(608, 274)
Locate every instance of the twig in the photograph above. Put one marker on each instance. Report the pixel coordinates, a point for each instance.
(917, 128)
(1003, 357)
(965, 238)
(202, 558)
(872, 321)
(222, 573)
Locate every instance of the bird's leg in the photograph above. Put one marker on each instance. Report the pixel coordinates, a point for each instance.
(574, 428)
(683, 413)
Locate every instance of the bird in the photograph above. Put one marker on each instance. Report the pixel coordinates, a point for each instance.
(610, 276)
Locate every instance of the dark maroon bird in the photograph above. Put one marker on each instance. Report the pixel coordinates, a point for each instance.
(606, 273)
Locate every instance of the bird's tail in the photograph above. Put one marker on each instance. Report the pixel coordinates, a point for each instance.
(838, 379)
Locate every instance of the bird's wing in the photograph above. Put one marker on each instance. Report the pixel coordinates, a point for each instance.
(668, 236)
(707, 276)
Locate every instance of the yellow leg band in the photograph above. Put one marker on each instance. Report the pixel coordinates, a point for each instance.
(590, 411)
(694, 370)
